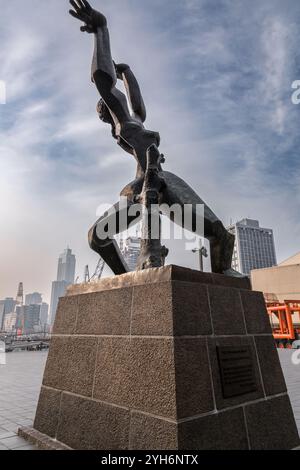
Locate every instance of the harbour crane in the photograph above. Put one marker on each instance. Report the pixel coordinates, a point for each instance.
(96, 276)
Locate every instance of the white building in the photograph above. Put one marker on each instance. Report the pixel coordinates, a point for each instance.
(279, 283)
(130, 249)
(254, 246)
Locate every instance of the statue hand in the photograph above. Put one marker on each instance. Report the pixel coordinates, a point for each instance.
(84, 12)
(120, 69)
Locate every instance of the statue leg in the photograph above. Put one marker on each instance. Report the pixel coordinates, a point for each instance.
(221, 241)
(101, 236)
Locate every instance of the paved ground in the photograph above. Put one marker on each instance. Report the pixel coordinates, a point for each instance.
(292, 377)
(20, 382)
(21, 378)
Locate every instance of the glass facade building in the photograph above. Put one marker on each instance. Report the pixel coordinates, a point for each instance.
(254, 246)
(130, 249)
(65, 277)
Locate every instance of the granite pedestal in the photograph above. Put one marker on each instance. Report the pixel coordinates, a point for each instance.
(166, 358)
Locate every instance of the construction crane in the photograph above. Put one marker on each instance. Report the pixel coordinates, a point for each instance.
(98, 271)
(97, 274)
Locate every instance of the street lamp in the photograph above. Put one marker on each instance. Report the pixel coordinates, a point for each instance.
(202, 254)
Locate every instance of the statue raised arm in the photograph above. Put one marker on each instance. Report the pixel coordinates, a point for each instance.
(129, 131)
(127, 127)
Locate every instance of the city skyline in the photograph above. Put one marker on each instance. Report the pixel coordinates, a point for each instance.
(224, 73)
(25, 312)
(125, 243)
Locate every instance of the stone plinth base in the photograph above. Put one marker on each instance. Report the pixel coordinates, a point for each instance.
(168, 358)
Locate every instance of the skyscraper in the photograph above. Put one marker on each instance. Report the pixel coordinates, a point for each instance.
(7, 306)
(31, 318)
(10, 322)
(44, 314)
(66, 267)
(65, 277)
(254, 246)
(34, 298)
(20, 294)
(130, 249)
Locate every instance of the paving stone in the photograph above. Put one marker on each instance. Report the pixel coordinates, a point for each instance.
(4, 434)
(26, 447)
(20, 384)
(13, 442)
(10, 427)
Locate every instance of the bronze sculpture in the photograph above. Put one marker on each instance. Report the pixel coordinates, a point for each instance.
(131, 135)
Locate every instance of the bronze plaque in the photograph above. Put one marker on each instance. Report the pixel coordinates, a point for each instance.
(237, 370)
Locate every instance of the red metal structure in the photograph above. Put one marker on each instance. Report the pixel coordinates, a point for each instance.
(286, 329)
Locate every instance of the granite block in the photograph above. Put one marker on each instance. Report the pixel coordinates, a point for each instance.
(105, 313)
(271, 424)
(71, 364)
(255, 312)
(66, 315)
(47, 413)
(86, 424)
(226, 311)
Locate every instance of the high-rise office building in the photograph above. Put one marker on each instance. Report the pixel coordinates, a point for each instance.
(254, 246)
(130, 249)
(65, 277)
(28, 318)
(31, 318)
(10, 322)
(7, 306)
(34, 298)
(44, 311)
(66, 267)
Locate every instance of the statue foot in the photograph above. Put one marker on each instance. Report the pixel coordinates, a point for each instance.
(233, 273)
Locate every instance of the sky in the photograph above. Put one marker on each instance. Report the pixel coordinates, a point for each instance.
(216, 76)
